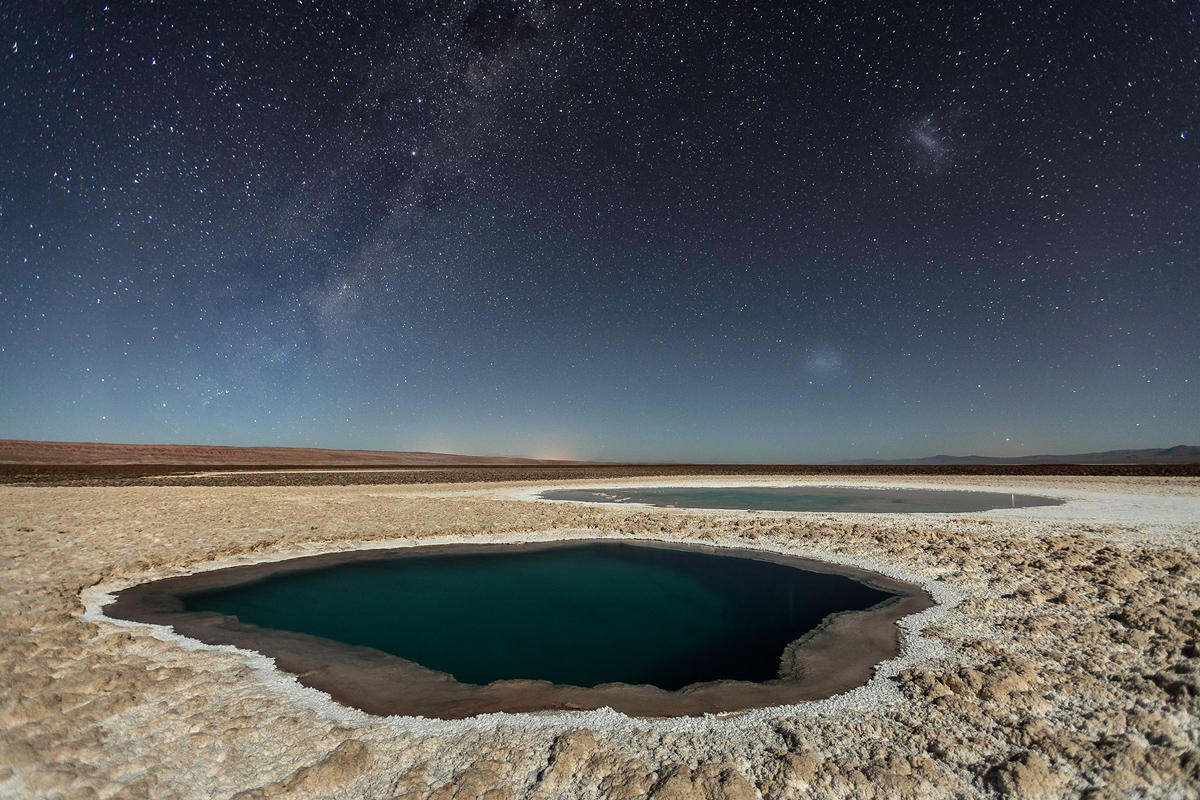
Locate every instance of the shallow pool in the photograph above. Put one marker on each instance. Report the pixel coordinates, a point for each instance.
(576, 614)
(808, 498)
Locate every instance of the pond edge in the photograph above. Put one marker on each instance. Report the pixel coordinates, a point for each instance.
(879, 690)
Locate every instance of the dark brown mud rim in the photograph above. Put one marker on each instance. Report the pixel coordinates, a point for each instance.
(839, 655)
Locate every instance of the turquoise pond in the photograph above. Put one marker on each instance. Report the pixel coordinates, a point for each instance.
(580, 614)
(808, 498)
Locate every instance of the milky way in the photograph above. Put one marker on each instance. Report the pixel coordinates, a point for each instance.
(786, 232)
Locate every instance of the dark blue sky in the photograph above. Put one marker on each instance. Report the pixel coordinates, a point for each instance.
(706, 232)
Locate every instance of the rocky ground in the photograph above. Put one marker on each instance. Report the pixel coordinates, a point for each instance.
(1071, 667)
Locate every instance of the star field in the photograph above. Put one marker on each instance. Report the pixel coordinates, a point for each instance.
(682, 231)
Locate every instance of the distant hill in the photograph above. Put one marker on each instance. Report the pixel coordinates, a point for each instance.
(15, 451)
(1179, 454)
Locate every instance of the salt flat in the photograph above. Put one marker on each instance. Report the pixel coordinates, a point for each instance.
(1063, 661)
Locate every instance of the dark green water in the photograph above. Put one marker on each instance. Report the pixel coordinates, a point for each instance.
(581, 614)
(808, 498)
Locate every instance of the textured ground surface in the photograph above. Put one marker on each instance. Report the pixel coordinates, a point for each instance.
(1070, 668)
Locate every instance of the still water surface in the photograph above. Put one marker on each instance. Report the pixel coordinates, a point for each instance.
(808, 498)
(576, 614)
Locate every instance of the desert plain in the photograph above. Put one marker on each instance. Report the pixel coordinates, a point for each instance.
(1062, 659)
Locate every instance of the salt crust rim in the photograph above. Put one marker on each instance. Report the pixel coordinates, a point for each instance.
(879, 690)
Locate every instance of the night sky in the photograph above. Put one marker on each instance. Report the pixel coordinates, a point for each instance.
(690, 231)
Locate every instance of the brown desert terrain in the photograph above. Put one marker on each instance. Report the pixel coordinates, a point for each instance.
(19, 451)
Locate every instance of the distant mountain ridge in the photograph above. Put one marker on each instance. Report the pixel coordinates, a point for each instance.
(1179, 454)
(18, 451)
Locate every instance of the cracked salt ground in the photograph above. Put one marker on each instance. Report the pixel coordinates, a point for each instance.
(1068, 668)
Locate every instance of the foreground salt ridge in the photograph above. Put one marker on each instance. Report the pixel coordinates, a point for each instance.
(880, 689)
(1069, 668)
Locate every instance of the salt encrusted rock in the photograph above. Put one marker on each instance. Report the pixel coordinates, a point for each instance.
(1008, 676)
(1026, 776)
(629, 781)
(413, 784)
(1055, 742)
(707, 782)
(924, 682)
(474, 783)
(347, 761)
(1181, 682)
(788, 775)
(567, 757)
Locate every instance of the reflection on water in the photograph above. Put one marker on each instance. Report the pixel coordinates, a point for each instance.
(577, 614)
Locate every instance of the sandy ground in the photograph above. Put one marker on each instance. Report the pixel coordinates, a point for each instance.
(1064, 660)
